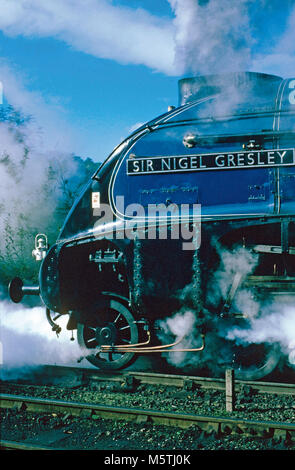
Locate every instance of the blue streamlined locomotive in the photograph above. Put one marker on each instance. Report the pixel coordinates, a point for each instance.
(146, 239)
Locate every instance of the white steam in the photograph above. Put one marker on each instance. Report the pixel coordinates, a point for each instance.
(39, 179)
(271, 321)
(34, 155)
(211, 36)
(28, 341)
(24, 172)
(49, 126)
(180, 325)
(240, 261)
(275, 324)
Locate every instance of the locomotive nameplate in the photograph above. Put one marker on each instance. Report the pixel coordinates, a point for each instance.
(211, 161)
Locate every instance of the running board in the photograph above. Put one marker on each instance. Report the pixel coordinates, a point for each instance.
(272, 283)
(273, 249)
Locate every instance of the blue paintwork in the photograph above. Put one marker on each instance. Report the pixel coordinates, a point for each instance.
(222, 193)
(249, 106)
(284, 123)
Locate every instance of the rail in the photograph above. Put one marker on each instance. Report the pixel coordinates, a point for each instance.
(218, 424)
(55, 374)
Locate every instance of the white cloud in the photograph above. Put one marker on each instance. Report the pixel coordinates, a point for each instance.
(202, 37)
(286, 44)
(282, 64)
(281, 58)
(95, 27)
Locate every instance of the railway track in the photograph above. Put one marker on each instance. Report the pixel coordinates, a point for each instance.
(75, 375)
(13, 445)
(17, 397)
(220, 425)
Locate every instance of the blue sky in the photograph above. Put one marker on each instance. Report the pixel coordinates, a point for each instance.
(100, 98)
(91, 70)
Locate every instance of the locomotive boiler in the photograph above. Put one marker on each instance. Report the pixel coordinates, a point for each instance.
(145, 240)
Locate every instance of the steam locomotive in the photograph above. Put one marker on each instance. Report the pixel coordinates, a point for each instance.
(145, 240)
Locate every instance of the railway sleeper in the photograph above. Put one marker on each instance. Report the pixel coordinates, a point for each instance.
(258, 432)
(244, 429)
(284, 435)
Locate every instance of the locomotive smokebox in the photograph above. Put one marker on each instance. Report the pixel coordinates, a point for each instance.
(17, 290)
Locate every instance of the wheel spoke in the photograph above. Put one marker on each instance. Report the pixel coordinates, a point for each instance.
(124, 327)
(114, 325)
(115, 321)
(90, 340)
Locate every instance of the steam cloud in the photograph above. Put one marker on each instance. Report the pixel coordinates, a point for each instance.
(276, 324)
(39, 183)
(270, 322)
(27, 341)
(39, 175)
(211, 36)
(205, 36)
